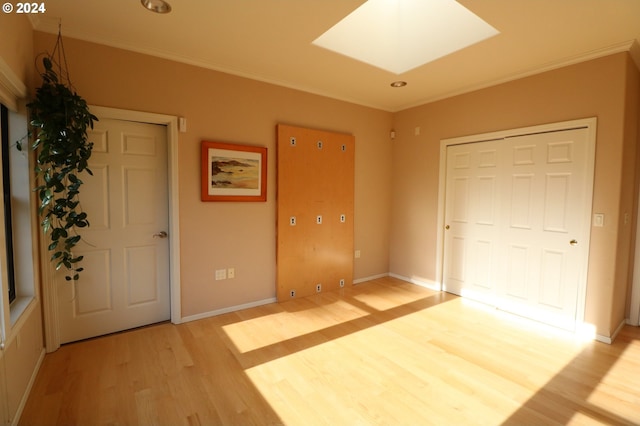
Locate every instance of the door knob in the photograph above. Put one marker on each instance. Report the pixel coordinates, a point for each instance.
(446, 227)
(573, 242)
(161, 234)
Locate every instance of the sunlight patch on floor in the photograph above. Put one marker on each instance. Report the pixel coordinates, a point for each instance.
(622, 380)
(411, 358)
(255, 333)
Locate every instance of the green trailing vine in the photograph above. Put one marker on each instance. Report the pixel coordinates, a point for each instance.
(60, 119)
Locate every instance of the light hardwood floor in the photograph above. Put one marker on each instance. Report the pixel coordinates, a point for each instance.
(383, 352)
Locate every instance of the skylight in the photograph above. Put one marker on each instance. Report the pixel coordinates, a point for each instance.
(400, 35)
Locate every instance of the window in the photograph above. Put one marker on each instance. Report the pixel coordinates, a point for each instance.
(6, 191)
(20, 224)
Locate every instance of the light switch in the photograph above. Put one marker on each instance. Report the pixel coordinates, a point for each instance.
(598, 220)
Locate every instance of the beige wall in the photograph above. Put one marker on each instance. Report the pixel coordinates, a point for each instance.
(593, 89)
(16, 45)
(395, 223)
(24, 340)
(222, 107)
(631, 179)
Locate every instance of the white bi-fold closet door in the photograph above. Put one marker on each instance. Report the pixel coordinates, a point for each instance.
(516, 233)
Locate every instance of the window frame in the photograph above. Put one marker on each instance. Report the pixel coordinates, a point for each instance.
(6, 190)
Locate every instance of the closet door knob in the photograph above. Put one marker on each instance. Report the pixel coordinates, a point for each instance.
(573, 242)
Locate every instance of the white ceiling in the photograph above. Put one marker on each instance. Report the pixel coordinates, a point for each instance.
(271, 40)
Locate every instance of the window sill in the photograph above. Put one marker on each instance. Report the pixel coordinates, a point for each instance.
(19, 307)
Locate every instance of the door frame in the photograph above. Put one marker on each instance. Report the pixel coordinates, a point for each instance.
(49, 295)
(634, 307)
(588, 123)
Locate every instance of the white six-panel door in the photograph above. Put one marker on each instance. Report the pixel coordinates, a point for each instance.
(473, 219)
(514, 220)
(125, 282)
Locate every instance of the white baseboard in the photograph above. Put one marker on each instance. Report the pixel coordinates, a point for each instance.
(27, 392)
(229, 309)
(431, 285)
(609, 340)
(256, 303)
(373, 277)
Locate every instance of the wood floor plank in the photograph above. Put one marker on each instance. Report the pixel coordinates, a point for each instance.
(382, 352)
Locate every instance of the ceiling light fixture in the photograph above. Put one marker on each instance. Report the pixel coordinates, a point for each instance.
(157, 6)
(399, 83)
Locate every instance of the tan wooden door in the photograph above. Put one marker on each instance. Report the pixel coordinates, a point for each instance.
(125, 282)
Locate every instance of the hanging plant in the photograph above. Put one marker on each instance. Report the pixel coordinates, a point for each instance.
(60, 119)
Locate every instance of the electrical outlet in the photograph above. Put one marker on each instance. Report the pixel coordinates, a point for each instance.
(318, 288)
(292, 293)
(221, 274)
(231, 273)
(341, 283)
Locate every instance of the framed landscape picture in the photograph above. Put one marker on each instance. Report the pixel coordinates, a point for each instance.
(233, 172)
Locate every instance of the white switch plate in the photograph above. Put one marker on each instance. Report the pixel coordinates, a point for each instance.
(221, 274)
(598, 220)
(231, 273)
(357, 254)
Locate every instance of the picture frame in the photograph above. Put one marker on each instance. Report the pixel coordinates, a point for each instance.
(233, 172)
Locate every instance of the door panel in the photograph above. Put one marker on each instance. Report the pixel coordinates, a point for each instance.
(518, 261)
(141, 274)
(555, 202)
(472, 216)
(555, 166)
(125, 282)
(512, 209)
(94, 295)
(521, 201)
(460, 199)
